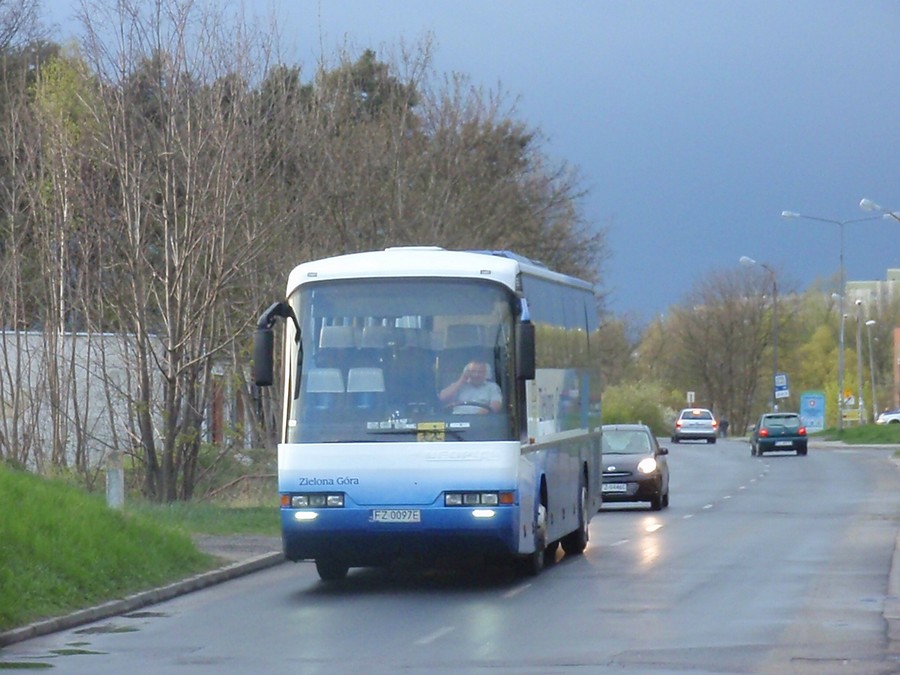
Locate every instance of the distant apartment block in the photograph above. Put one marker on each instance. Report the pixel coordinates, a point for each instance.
(875, 294)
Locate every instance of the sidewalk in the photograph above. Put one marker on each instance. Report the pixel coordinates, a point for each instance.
(239, 555)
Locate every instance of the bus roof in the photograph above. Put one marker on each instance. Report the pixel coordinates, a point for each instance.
(426, 261)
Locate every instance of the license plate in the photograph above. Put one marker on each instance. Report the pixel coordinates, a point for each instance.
(396, 516)
(614, 487)
(781, 444)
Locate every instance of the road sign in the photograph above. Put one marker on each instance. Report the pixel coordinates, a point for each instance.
(690, 398)
(781, 385)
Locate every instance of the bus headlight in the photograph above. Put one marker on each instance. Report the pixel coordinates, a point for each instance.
(478, 498)
(314, 500)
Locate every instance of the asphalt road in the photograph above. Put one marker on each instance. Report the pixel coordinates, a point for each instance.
(779, 564)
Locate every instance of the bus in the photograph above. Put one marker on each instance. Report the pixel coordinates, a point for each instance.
(376, 460)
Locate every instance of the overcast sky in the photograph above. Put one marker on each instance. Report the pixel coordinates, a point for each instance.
(694, 123)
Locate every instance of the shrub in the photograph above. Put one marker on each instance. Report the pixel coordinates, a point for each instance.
(637, 402)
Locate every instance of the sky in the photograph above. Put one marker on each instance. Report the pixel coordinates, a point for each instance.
(693, 123)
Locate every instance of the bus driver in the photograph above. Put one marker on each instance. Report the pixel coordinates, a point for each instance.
(472, 392)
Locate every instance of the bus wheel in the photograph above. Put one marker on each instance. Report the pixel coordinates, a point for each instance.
(550, 553)
(575, 542)
(532, 564)
(330, 569)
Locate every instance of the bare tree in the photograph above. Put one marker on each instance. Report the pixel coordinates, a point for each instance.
(19, 23)
(718, 340)
(173, 93)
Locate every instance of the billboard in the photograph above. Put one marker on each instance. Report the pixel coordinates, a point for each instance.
(812, 410)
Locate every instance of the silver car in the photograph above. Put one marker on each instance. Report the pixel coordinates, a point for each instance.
(889, 417)
(695, 424)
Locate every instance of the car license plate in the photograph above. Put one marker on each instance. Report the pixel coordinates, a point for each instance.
(614, 487)
(396, 515)
(781, 444)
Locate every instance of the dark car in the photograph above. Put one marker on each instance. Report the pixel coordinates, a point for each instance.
(635, 468)
(778, 432)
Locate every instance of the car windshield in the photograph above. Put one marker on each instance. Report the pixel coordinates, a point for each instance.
(626, 442)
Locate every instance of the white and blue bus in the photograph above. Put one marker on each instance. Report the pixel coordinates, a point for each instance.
(373, 466)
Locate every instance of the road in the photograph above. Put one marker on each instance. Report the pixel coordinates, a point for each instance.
(777, 564)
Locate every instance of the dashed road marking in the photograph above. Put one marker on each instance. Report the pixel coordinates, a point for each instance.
(515, 591)
(436, 635)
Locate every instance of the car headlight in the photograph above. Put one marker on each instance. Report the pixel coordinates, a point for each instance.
(647, 465)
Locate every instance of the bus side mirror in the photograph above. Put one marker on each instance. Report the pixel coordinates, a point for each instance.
(263, 356)
(264, 342)
(525, 350)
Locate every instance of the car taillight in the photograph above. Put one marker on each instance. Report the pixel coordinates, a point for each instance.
(678, 424)
(802, 431)
(763, 432)
(715, 424)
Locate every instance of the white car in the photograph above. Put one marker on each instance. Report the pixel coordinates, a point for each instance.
(889, 417)
(695, 424)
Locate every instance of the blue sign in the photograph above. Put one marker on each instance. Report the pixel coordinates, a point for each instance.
(812, 410)
(782, 390)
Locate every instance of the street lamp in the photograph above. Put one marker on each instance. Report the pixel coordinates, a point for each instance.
(749, 262)
(869, 205)
(869, 324)
(840, 224)
(859, 387)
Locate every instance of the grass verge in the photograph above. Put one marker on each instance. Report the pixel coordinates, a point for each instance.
(62, 549)
(865, 434)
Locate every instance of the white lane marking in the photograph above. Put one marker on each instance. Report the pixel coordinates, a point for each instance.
(742, 487)
(436, 635)
(652, 528)
(708, 506)
(620, 542)
(515, 591)
(690, 515)
(727, 497)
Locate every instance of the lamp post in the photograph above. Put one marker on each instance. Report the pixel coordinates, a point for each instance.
(749, 262)
(869, 324)
(869, 205)
(840, 224)
(840, 299)
(859, 387)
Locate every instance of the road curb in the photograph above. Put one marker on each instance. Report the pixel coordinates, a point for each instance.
(136, 601)
(891, 610)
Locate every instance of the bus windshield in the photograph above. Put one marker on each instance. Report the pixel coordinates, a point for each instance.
(403, 359)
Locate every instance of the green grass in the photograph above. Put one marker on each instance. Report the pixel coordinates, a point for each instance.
(205, 518)
(62, 549)
(866, 434)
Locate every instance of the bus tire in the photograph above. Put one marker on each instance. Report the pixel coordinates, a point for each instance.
(331, 569)
(532, 564)
(575, 542)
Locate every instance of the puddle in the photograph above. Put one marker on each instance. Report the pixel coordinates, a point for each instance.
(73, 651)
(24, 665)
(106, 629)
